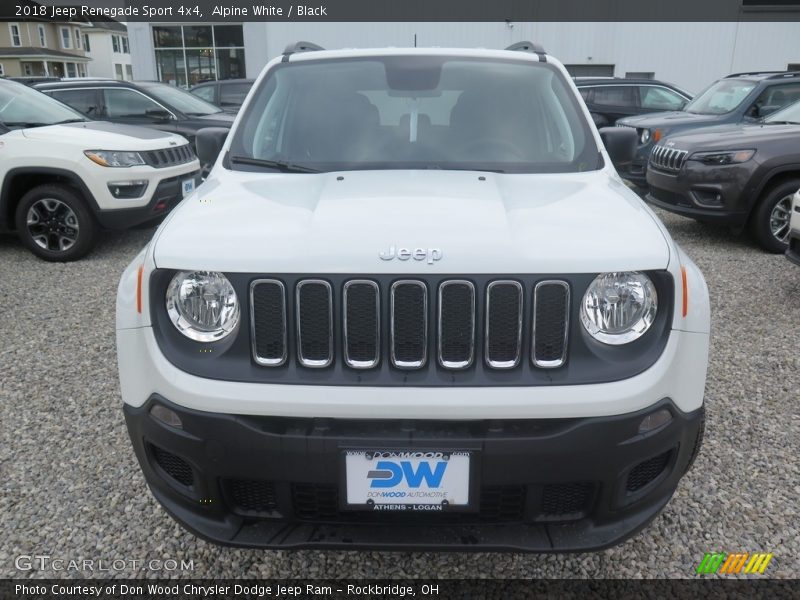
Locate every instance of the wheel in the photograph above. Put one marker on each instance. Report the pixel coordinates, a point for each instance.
(55, 224)
(770, 220)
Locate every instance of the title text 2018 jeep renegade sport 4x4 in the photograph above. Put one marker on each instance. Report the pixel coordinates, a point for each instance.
(414, 306)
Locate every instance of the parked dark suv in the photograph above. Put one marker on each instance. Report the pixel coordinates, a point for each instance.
(228, 94)
(738, 98)
(740, 175)
(150, 104)
(609, 98)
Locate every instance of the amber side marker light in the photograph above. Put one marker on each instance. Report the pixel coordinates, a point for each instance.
(657, 134)
(139, 289)
(685, 291)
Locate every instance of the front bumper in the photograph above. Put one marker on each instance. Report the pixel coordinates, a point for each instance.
(165, 194)
(544, 484)
(712, 194)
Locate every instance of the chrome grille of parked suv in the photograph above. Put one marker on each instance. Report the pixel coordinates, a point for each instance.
(169, 157)
(451, 319)
(668, 159)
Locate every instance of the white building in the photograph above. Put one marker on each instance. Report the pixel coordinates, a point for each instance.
(690, 55)
(106, 43)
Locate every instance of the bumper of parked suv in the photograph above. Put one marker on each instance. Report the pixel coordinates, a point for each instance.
(537, 484)
(712, 194)
(162, 196)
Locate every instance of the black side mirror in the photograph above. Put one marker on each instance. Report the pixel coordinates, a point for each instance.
(158, 115)
(620, 143)
(209, 143)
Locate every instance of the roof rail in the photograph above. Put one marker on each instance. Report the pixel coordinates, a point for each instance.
(529, 47)
(755, 73)
(299, 47)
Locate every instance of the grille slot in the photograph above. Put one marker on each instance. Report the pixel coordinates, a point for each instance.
(168, 157)
(361, 323)
(550, 324)
(564, 501)
(668, 159)
(268, 322)
(504, 303)
(647, 471)
(456, 319)
(173, 465)
(502, 503)
(251, 496)
(313, 501)
(314, 323)
(409, 324)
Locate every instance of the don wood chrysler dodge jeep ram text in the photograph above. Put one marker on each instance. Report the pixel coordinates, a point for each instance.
(414, 306)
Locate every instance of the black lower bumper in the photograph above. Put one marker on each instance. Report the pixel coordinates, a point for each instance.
(549, 485)
(793, 251)
(167, 195)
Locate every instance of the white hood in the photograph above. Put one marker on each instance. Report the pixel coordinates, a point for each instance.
(309, 223)
(99, 135)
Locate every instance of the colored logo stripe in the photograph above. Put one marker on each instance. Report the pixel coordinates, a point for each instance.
(731, 564)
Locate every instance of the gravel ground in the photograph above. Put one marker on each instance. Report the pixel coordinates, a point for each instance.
(70, 486)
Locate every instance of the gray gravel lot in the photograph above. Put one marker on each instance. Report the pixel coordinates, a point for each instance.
(70, 486)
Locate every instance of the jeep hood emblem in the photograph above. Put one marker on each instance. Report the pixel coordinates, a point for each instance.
(429, 255)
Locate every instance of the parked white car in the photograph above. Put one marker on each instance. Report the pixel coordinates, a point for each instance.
(793, 251)
(62, 177)
(414, 306)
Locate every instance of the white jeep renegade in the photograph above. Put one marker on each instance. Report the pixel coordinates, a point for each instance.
(62, 177)
(414, 306)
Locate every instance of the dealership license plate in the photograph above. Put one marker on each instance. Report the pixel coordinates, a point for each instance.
(187, 186)
(407, 480)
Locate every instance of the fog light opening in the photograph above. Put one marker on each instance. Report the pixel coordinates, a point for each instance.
(166, 416)
(655, 421)
(127, 189)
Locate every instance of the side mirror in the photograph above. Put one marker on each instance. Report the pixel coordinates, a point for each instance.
(209, 143)
(158, 115)
(768, 109)
(620, 143)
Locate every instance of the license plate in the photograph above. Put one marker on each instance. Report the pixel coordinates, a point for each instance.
(187, 187)
(407, 480)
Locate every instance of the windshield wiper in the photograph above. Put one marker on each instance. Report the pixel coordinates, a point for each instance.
(65, 121)
(273, 164)
(780, 122)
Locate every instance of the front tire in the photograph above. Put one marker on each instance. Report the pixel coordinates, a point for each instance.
(54, 222)
(770, 219)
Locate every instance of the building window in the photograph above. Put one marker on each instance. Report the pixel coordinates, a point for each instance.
(129, 72)
(640, 75)
(42, 36)
(77, 38)
(118, 71)
(71, 71)
(115, 45)
(16, 39)
(190, 54)
(590, 70)
(81, 70)
(27, 69)
(125, 48)
(2, 70)
(66, 40)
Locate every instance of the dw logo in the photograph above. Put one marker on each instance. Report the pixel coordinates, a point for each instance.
(390, 474)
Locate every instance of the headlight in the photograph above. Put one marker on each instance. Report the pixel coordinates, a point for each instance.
(619, 307)
(202, 305)
(114, 158)
(729, 157)
(644, 137)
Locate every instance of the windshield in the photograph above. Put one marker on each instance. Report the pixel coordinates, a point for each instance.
(185, 102)
(790, 114)
(21, 106)
(415, 112)
(721, 97)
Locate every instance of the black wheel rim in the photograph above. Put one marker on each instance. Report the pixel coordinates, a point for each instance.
(52, 225)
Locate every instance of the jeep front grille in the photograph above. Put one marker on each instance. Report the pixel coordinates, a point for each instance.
(457, 322)
(668, 159)
(169, 157)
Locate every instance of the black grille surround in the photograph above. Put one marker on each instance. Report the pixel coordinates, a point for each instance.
(169, 157)
(235, 358)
